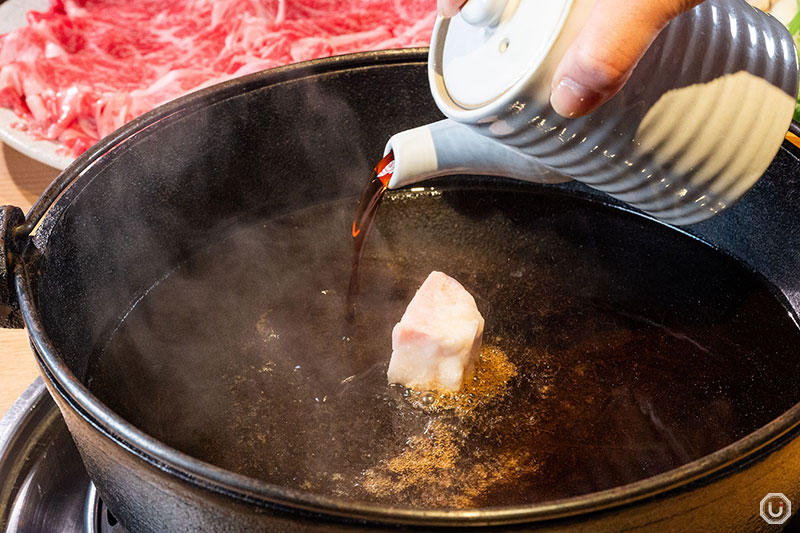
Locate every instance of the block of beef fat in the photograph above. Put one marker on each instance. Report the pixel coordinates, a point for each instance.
(437, 341)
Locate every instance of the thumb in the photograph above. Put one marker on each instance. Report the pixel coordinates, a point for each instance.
(449, 8)
(600, 61)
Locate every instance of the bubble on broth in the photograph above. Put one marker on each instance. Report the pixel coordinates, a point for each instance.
(492, 373)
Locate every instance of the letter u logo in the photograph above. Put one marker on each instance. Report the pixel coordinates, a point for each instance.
(774, 514)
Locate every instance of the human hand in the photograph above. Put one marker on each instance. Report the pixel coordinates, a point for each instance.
(449, 8)
(600, 61)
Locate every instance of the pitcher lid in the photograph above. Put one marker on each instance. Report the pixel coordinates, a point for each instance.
(491, 44)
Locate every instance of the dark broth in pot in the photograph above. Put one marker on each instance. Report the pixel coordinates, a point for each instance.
(636, 349)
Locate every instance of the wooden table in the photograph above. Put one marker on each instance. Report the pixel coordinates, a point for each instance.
(22, 180)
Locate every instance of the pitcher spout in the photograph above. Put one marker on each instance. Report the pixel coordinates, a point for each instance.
(446, 148)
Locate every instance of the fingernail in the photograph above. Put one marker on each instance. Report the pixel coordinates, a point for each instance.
(571, 99)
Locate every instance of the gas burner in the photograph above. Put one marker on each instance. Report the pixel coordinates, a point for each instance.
(43, 484)
(97, 517)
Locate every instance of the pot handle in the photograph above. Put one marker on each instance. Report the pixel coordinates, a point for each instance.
(794, 127)
(10, 218)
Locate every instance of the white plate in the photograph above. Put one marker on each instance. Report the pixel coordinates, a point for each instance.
(12, 16)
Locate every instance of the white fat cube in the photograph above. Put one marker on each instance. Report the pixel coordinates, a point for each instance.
(437, 342)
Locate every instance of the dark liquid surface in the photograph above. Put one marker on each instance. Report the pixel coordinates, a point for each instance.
(637, 350)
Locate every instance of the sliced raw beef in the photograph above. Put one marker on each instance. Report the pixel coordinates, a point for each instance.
(85, 67)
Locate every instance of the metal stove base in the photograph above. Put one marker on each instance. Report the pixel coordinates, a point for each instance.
(43, 484)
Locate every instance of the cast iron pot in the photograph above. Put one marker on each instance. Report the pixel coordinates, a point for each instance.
(243, 147)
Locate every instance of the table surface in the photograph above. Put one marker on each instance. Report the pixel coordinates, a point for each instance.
(22, 180)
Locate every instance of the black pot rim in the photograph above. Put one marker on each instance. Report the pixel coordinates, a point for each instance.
(701, 471)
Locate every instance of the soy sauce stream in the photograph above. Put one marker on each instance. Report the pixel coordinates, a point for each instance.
(365, 215)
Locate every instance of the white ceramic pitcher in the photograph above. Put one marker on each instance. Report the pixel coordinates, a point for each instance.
(697, 124)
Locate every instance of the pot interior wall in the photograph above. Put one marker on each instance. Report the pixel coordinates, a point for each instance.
(199, 191)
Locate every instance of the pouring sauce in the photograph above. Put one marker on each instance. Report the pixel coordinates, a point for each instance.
(365, 215)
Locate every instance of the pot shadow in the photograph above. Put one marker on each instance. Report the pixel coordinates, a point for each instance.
(30, 178)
